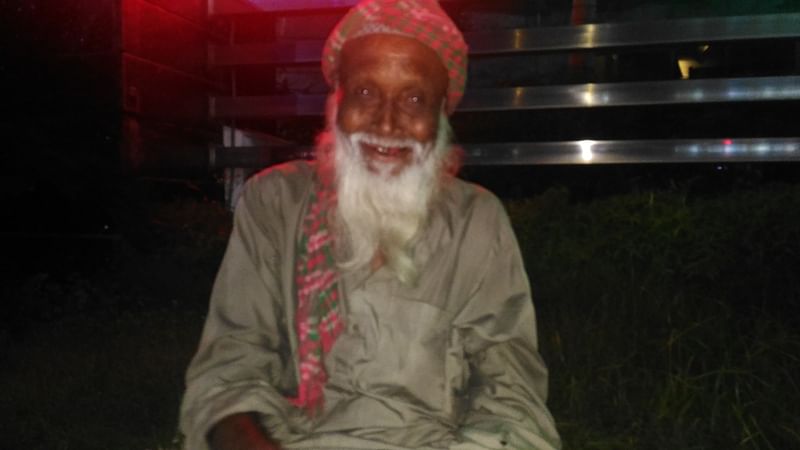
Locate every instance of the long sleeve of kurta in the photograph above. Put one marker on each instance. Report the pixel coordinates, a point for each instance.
(242, 362)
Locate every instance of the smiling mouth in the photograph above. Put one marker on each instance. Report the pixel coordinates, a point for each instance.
(386, 151)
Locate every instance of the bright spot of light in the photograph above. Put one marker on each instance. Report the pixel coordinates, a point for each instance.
(587, 155)
(518, 39)
(590, 33)
(727, 141)
(686, 65)
(589, 98)
(519, 96)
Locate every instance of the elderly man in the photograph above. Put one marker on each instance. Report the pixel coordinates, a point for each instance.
(369, 299)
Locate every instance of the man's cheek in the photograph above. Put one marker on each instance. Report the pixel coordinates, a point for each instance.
(351, 119)
(424, 130)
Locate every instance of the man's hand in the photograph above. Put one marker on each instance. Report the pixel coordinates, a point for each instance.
(240, 432)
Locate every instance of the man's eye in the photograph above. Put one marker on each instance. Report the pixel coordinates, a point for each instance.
(416, 99)
(364, 92)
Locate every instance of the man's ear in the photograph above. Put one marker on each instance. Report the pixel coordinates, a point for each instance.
(332, 106)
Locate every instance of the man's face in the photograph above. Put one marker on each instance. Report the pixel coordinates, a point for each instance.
(392, 90)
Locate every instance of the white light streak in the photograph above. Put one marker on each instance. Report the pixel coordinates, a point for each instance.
(587, 155)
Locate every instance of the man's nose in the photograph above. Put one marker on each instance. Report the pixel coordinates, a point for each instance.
(386, 119)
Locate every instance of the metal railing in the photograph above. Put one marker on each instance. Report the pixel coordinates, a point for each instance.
(563, 152)
(227, 7)
(592, 95)
(550, 39)
(603, 38)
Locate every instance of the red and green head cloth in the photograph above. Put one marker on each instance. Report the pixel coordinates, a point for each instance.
(423, 20)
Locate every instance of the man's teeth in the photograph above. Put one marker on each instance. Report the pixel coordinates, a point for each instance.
(386, 150)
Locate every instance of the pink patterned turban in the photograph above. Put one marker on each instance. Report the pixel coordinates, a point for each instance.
(423, 20)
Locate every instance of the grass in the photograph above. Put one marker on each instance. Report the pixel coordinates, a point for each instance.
(108, 381)
(668, 321)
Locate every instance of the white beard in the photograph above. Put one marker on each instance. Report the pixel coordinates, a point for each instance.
(379, 213)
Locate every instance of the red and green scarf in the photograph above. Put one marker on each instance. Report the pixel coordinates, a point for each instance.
(317, 319)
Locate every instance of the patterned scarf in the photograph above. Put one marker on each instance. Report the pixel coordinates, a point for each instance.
(317, 318)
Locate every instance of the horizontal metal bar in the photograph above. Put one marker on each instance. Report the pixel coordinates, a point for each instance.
(645, 151)
(229, 7)
(549, 39)
(566, 152)
(548, 97)
(636, 34)
(633, 94)
(266, 106)
(226, 7)
(299, 52)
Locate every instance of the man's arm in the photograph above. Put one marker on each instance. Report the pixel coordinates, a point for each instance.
(508, 379)
(242, 363)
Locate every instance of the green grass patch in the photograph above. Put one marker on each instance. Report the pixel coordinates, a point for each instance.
(669, 322)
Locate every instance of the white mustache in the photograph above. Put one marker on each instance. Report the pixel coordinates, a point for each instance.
(382, 143)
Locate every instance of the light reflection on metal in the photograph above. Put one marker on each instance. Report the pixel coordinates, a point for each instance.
(697, 95)
(633, 34)
(633, 94)
(518, 39)
(548, 97)
(778, 148)
(593, 96)
(519, 96)
(762, 148)
(644, 151)
(586, 150)
(249, 6)
(566, 152)
(588, 95)
(589, 35)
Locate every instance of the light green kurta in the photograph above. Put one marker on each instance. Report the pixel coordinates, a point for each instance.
(451, 363)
